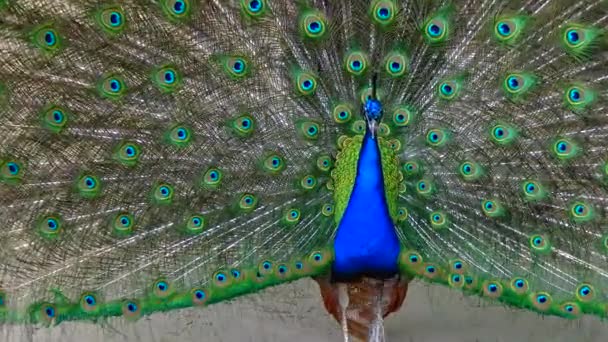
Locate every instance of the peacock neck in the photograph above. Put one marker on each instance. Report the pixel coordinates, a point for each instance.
(366, 242)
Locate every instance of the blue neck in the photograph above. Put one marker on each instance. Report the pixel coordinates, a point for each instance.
(366, 242)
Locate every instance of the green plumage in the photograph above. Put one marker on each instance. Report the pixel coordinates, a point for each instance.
(156, 155)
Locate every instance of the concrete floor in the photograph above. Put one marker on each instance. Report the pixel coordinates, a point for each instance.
(294, 313)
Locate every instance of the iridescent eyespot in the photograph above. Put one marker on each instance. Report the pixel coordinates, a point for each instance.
(312, 24)
(355, 63)
(383, 11)
(89, 186)
(541, 301)
(436, 28)
(402, 214)
(412, 168)
(585, 293)
(163, 193)
(342, 113)
(123, 224)
(492, 208)
(502, 134)
(166, 78)
(176, 10)
(48, 313)
(308, 182)
(306, 83)
(532, 190)
(579, 40)
(54, 118)
(111, 87)
(11, 171)
(327, 210)
(396, 64)
(248, 202)
(179, 135)
(199, 296)
(425, 187)
(49, 226)
(265, 267)
(565, 149)
(243, 125)
(436, 137)
(221, 279)
(457, 266)
(517, 85)
(111, 19)
(508, 30)
(448, 90)
(320, 258)
(274, 163)
(358, 127)
(324, 163)
(308, 129)
(254, 8)
(212, 178)
(131, 309)
(492, 289)
(438, 219)
(581, 212)
(403, 116)
(162, 288)
(539, 244)
(195, 224)
(127, 153)
(46, 38)
(236, 67)
(88, 303)
(470, 171)
(519, 285)
(292, 216)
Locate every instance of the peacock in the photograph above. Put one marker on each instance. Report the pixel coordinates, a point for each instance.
(163, 154)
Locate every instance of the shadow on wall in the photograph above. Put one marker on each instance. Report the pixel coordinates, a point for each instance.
(294, 313)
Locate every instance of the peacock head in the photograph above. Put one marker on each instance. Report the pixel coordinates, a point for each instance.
(372, 110)
(373, 113)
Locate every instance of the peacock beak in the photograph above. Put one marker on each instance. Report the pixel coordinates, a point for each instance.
(372, 126)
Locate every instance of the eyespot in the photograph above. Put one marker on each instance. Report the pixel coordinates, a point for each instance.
(456, 280)
(565, 149)
(111, 87)
(383, 12)
(492, 289)
(541, 301)
(469, 170)
(358, 127)
(570, 309)
(327, 209)
(199, 296)
(177, 10)
(50, 226)
(411, 260)
(516, 85)
(312, 24)
(88, 303)
(585, 293)
(532, 190)
(402, 116)
(221, 279)
(449, 89)
(502, 134)
(320, 259)
(166, 78)
(127, 153)
(324, 163)
(430, 271)
(46, 38)
(248, 202)
(162, 288)
(54, 118)
(308, 182)
(292, 216)
(436, 29)
(212, 178)
(396, 64)
(342, 113)
(438, 219)
(539, 244)
(425, 187)
(412, 168)
(274, 163)
(123, 223)
(254, 8)
(163, 193)
(131, 309)
(402, 214)
(581, 212)
(236, 67)
(519, 285)
(579, 40)
(111, 19)
(11, 171)
(492, 208)
(309, 129)
(306, 83)
(48, 313)
(195, 224)
(243, 125)
(89, 186)
(265, 267)
(458, 266)
(436, 137)
(356, 63)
